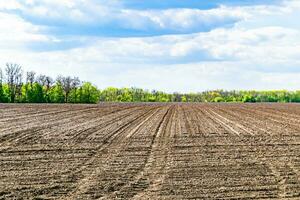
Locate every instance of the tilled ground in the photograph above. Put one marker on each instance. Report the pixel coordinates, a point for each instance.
(150, 151)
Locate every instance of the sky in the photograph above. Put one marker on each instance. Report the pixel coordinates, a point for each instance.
(170, 45)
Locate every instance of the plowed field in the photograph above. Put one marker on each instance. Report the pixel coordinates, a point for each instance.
(150, 151)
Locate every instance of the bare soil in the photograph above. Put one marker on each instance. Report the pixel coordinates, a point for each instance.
(150, 151)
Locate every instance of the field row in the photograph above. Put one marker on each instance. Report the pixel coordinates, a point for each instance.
(150, 151)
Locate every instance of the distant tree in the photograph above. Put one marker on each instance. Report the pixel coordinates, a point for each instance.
(176, 97)
(49, 81)
(74, 86)
(90, 93)
(14, 80)
(35, 94)
(1, 87)
(125, 95)
(66, 83)
(66, 89)
(45, 82)
(38, 93)
(218, 99)
(41, 79)
(110, 94)
(27, 87)
(48, 84)
(248, 98)
(137, 94)
(30, 77)
(56, 94)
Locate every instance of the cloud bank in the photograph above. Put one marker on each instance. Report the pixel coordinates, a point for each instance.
(237, 45)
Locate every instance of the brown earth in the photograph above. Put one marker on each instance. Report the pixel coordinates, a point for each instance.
(150, 151)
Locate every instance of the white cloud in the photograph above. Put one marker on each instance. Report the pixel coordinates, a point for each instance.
(266, 43)
(9, 5)
(203, 76)
(183, 20)
(264, 56)
(274, 43)
(251, 59)
(98, 15)
(15, 32)
(111, 14)
(291, 5)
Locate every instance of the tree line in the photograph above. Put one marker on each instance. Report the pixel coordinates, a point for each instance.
(33, 88)
(42, 88)
(140, 95)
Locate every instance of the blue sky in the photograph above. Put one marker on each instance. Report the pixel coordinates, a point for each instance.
(170, 45)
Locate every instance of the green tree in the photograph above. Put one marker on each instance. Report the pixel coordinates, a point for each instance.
(56, 94)
(90, 93)
(248, 98)
(109, 94)
(1, 87)
(218, 99)
(14, 80)
(6, 93)
(37, 94)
